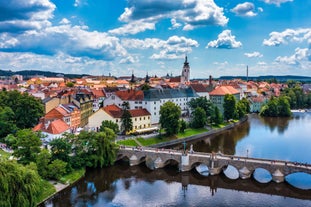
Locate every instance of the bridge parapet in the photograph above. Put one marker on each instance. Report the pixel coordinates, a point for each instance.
(155, 158)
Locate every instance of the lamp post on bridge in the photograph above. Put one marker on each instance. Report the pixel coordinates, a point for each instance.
(184, 143)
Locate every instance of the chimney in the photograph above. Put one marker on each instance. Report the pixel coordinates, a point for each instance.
(210, 80)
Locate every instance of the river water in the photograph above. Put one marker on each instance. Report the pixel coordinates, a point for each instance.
(272, 138)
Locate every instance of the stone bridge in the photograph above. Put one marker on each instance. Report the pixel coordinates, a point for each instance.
(216, 162)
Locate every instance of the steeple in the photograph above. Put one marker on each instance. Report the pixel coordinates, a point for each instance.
(147, 78)
(132, 81)
(185, 74)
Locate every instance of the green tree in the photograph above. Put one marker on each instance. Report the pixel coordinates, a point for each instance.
(96, 149)
(57, 169)
(270, 109)
(27, 109)
(7, 122)
(60, 149)
(43, 160)
(26, 145)
(199, 119)
(19, 185)
(110, 125)
(229, 107)
(241, 109)
(203, 103)
(182, 125)
(284, 107)
(169, 116)
(216, 117)
(70, 84)
(126, 118)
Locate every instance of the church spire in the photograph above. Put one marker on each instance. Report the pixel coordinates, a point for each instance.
(185, 74)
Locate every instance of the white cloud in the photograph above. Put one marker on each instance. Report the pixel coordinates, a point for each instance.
(277, 2)
(133, 28)
(129, 60)
(278, 38)
(191, 13)
(225, 41)
(253, 54)
(72, 40)
(57, 63)
(64, 21)
(244, 9)
(79, 3)
(174, 47)
(17, 16)
(301, 54)
(175, 24)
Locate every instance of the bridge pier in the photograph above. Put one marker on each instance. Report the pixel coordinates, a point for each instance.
(184, 164)
(278, 176)
(245, 173)
(158, 163)
(134, 160)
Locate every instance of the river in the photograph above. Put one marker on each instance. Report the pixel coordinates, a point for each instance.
(272, 138)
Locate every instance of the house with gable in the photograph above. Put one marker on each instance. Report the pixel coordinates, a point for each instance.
(133, 97)
(52, 129)
(217, 96)
(141, 118)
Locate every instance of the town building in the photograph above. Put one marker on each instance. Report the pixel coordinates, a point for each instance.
(217, 96)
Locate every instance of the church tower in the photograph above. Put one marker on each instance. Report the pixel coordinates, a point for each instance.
(185, 74)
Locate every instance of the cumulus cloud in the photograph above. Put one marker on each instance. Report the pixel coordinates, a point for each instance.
(276, 2)
(225, 41)
(133, 28)
(17, 16)
(278, 38)
(192, 13)
(253, 54)
(300, 55)
(58, 63)
(129, 60)
(174, 47)
(244, 9)
(175, 24)
(72, 40)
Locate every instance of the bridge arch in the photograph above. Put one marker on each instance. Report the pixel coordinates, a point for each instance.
(262, 175)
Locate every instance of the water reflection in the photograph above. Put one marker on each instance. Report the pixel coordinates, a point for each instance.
(163, 186)
(276, 138)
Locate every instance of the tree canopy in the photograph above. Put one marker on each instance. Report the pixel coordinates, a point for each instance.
(19, 185)
(199, 118)
(109, 124)
(26, 145)
(276, 107)
(169, 117)
(229, 107)
(126, 118)
(25, 110)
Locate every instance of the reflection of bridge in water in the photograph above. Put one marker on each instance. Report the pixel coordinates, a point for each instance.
(155, 158)
(214, 182)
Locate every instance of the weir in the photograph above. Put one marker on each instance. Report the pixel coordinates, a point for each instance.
(216, 162)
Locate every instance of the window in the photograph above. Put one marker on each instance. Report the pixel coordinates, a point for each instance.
(117, 120)
(155, 113)
(135, 119)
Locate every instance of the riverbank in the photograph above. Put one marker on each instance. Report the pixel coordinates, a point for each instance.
(65, 182)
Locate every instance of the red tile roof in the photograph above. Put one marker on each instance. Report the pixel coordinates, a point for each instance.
(130, 95)
(198, 87)
(54, 127)
(139, 112)
(98, 93)
(116, 112)
(223, 90)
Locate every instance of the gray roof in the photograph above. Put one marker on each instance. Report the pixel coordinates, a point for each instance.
(158, 94)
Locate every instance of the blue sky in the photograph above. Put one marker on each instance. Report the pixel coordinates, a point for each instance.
(102, 37)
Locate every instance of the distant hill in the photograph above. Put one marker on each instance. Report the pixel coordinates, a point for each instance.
(30, 73)
(269, 77)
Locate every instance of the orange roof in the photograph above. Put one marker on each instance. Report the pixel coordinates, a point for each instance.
(130, 95)
(139, 112)
(116, 112)
(223, 90)
(98, 93)
(57, 127)
(198, 87)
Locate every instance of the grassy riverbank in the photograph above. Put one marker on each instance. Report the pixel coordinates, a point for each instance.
(49, 188)
(156, 140)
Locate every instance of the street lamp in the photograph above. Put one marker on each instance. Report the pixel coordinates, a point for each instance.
(247, 153)
(184, 143)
